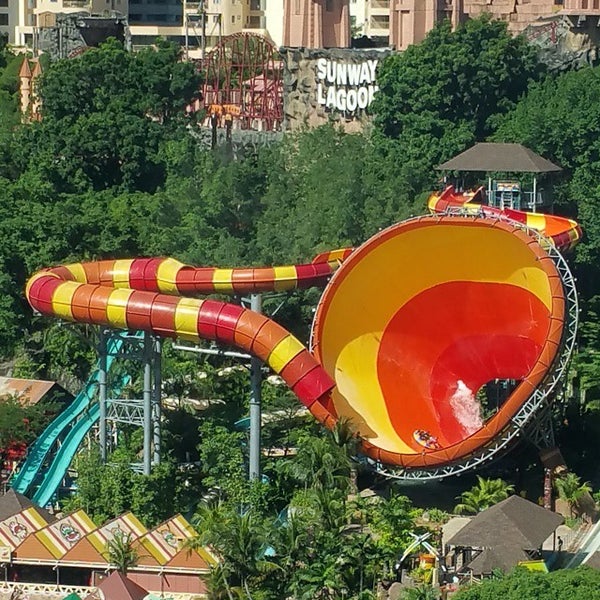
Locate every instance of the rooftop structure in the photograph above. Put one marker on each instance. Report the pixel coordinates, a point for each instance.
(504, 535)
(31, 539)
(31, 391)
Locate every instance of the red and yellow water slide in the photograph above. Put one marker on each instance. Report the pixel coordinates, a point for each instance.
(410, 326)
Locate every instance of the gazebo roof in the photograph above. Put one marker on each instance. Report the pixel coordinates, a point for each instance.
(508, 158)
(512, 523)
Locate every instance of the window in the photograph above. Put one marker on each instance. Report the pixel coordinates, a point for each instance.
(232, 18)
(3, 19)
(297, 7)
(329, 5)
(3, 3)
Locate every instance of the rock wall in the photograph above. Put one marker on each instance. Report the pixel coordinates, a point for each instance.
(71, 34)
(321, 86)
(566, 42)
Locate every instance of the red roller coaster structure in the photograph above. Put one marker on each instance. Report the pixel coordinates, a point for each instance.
(243, 82)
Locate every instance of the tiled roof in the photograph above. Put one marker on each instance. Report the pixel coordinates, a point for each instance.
(12, 503)
(29, 391)
(55, 540)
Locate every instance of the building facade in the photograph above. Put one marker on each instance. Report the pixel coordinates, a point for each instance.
(198, 25)
(316, 23)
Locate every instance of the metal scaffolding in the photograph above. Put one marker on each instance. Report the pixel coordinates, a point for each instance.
(144, 350)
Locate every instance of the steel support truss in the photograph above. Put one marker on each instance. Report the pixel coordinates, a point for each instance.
(117, 404)
(533, 419)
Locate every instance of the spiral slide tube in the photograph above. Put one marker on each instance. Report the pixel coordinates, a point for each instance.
(562, 232)
(139, 294)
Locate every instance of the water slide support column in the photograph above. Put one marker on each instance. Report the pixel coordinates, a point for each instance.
(147, 398)
(255, 401)
(102, 375)
(157, 408)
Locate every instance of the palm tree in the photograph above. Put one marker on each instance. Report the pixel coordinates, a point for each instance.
(345, 437)
(319, 463)
(238, 539)
(121, 553)
(571, 490)
(486, 493)
(421, 592)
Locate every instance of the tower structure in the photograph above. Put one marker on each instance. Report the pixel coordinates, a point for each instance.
(30, 70)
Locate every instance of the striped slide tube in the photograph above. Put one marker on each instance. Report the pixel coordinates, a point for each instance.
(152, 294)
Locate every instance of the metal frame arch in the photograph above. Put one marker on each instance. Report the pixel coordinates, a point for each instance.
(243, 76)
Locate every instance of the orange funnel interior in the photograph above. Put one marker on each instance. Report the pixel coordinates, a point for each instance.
(420, 318)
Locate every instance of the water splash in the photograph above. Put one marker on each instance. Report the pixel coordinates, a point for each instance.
(466, 408)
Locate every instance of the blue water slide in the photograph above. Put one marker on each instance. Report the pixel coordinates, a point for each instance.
(62, 422)
(63, 458)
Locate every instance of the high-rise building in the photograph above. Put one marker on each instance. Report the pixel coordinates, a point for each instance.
(9, 18)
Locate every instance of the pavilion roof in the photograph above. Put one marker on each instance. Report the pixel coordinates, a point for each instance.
(12, 503)
(118, 587)
(56, 539)
(499, 157)
(165, 543)
(512, 523)
(92, 547)
(499, 557)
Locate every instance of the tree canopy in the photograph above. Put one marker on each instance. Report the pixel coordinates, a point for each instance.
(566, 584)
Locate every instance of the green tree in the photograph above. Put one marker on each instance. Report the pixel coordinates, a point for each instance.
(453, 83)
(319, 463)
(556, 120)
(238, 539)
(109, 133)
(521, 584)
(486, 493)
(421, 592)
(19, 423)
(571, 489)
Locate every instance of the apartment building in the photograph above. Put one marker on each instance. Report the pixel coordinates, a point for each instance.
(9, 18)
(316, 23)
(198, 25)
(178, 20)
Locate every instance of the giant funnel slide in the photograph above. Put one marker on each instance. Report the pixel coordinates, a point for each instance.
(60, 425)
(411, 325)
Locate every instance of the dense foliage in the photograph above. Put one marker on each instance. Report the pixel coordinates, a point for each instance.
(21, 423)
(572, 584)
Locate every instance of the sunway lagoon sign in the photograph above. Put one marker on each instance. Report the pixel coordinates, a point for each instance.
(346, 86)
